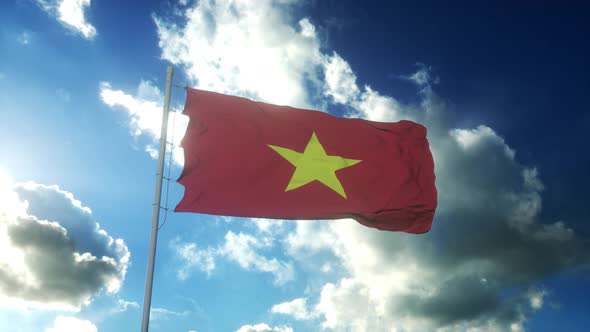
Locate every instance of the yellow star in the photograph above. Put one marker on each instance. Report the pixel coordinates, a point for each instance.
(315, 164)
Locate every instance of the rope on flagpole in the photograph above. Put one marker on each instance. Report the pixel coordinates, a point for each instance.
(167, 177)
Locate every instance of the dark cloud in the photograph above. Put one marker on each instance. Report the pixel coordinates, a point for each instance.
(51, 203)
(459, 299)
(66, 257)
(480, 265)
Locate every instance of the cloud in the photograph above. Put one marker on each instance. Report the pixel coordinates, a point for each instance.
(536, 298)
(296, 308)
(244, 48)
(388, 288)
(240, 248)
(123, 305)
(70, 13)
(52, 253)
(71, 324)
(145, 115)
(161, 313)
(193, 257)
(268, 226)
(487, 238)
(477, 269)
(262, 327)
(340, 81)
(235, 47)
(423, 76)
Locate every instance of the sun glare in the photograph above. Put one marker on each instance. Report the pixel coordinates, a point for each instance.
(10, 204)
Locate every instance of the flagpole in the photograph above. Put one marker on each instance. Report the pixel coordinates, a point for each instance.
(149, 278)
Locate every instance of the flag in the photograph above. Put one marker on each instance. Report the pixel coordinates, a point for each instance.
(252, 159)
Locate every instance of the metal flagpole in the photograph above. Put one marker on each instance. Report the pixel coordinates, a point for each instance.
(149, 277)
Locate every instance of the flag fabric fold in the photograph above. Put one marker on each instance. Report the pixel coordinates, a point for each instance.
(252, 159)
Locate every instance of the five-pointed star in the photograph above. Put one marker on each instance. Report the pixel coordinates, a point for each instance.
(315, 164)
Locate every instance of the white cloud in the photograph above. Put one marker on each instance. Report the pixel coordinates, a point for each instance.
(224, 219)
(145, 115)
(348, 305)
(71, 324)
(235, 47)
(70, 13)
(536, 299)
(151, 150)
(162, 313)
(473, 138)
(268, 226)
(191, 256)
(52, 253)
(373, 106)
(309, 236)
(242, 249)
(296, 308)
(389, 289)
(262, 327)
(423, 76)
(244, 48)
(123, 305)
(340, 81)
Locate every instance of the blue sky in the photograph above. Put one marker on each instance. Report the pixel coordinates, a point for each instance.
(500, 86)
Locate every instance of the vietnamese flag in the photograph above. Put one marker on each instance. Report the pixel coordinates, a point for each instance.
(252, 159)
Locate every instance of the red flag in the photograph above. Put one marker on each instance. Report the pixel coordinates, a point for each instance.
(252, 159)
